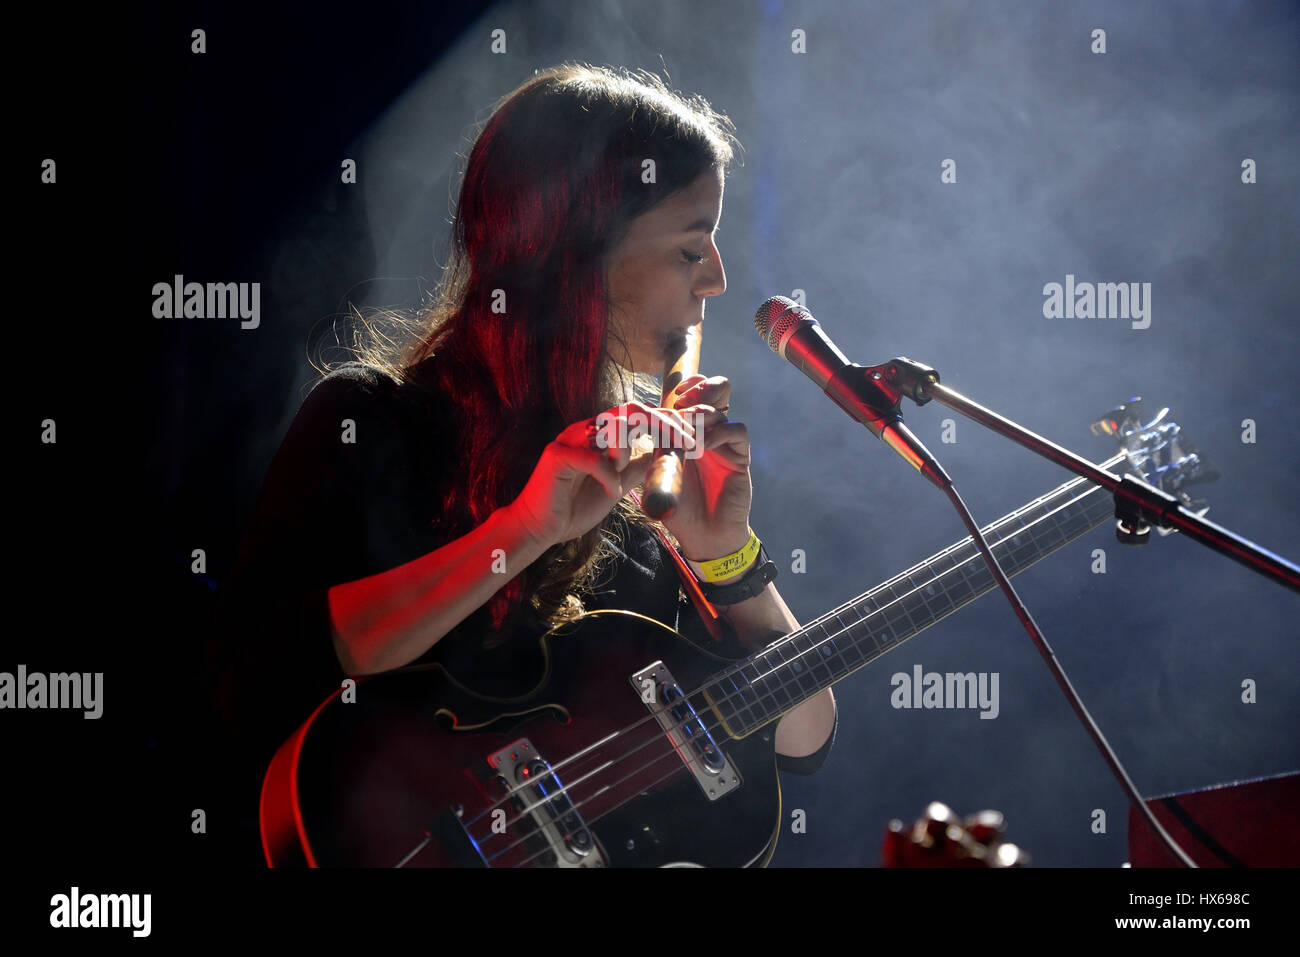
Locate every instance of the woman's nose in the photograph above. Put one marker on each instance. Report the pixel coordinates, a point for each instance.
(713, 278)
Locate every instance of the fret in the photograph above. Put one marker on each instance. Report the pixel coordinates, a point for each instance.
(869, 602)
(865, 632)
(1028, 518)
(854, 607)
(767, 673)
(735, 699)
(716, 694)
(1049, 534)
(959, 586)
(828, 648)
(869, 625)
(1078, 522)
(938, 594)
(883, 634)
(900, 623)
(920, 576)
(1082, 513)
(781, 692)
(1100, 509)
(818, 652)
(918, 585)
(798, 664)
(838, 636)
(1021, 552)
(976, 573)
(777, 674)
(852, 641)
(773, 698)
(917, 612)
(1066, 524)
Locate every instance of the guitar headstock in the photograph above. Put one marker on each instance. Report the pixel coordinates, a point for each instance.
(1158, 452)
(942, 839)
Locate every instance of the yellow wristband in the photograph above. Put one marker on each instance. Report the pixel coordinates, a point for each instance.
(733, 564)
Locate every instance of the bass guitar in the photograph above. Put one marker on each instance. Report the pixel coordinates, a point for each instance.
(634, 746)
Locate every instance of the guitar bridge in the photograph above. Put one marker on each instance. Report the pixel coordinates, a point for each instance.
(561, 837)
(690, 737)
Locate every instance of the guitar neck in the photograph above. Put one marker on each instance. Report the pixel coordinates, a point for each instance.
(766, 685)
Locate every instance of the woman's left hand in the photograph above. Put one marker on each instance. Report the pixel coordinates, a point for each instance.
(712, 516)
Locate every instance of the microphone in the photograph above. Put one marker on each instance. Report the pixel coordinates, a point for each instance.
(866, 394)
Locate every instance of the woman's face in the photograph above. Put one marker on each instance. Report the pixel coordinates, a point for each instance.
(662, 271)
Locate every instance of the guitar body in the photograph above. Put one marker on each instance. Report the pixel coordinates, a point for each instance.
(364, 782)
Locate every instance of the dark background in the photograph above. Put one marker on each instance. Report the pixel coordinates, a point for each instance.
(1117, 167)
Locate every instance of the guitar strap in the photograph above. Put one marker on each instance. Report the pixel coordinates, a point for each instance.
(721, 632)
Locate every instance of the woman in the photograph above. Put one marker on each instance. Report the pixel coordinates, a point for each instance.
(446, 500)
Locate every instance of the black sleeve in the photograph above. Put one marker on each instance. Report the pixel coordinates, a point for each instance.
(307, 533)
(809, 763)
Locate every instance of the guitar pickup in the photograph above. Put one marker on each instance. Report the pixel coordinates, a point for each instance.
(561, 837)
(685, 728)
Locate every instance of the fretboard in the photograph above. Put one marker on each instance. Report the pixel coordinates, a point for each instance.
(766, 685)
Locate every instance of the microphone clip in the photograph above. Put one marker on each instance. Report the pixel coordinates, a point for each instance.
(904, 377)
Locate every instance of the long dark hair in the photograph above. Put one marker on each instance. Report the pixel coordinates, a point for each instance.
(519, 322)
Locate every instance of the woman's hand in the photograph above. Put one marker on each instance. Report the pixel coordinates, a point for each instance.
(712, 516)
(589, 467)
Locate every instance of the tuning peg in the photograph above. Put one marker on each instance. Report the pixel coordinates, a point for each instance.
(1126, 414)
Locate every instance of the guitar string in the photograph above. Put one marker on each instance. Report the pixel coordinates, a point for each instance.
(657, 739)
(546, 848)
(730, 673)
(676, 767)
(671, 753)
(478, 842)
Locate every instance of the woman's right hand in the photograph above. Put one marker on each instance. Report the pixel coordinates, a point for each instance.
(589, 466)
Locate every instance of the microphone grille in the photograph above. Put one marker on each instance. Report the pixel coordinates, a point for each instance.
(776, 317)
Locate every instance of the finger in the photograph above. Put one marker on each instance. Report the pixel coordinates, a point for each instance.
(618, 451)
(690, 382)
(730, 439)
(580, 434)
(725, 433)
(603, 434)
(703, 417)
(714, 391)
(666, 427)
(637, 470)
(594, 463)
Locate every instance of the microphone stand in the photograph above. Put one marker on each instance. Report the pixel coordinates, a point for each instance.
(1137, 504)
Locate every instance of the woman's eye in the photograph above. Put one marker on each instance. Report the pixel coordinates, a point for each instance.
(690, 257)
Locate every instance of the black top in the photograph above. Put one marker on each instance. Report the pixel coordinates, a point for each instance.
(355, 489)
